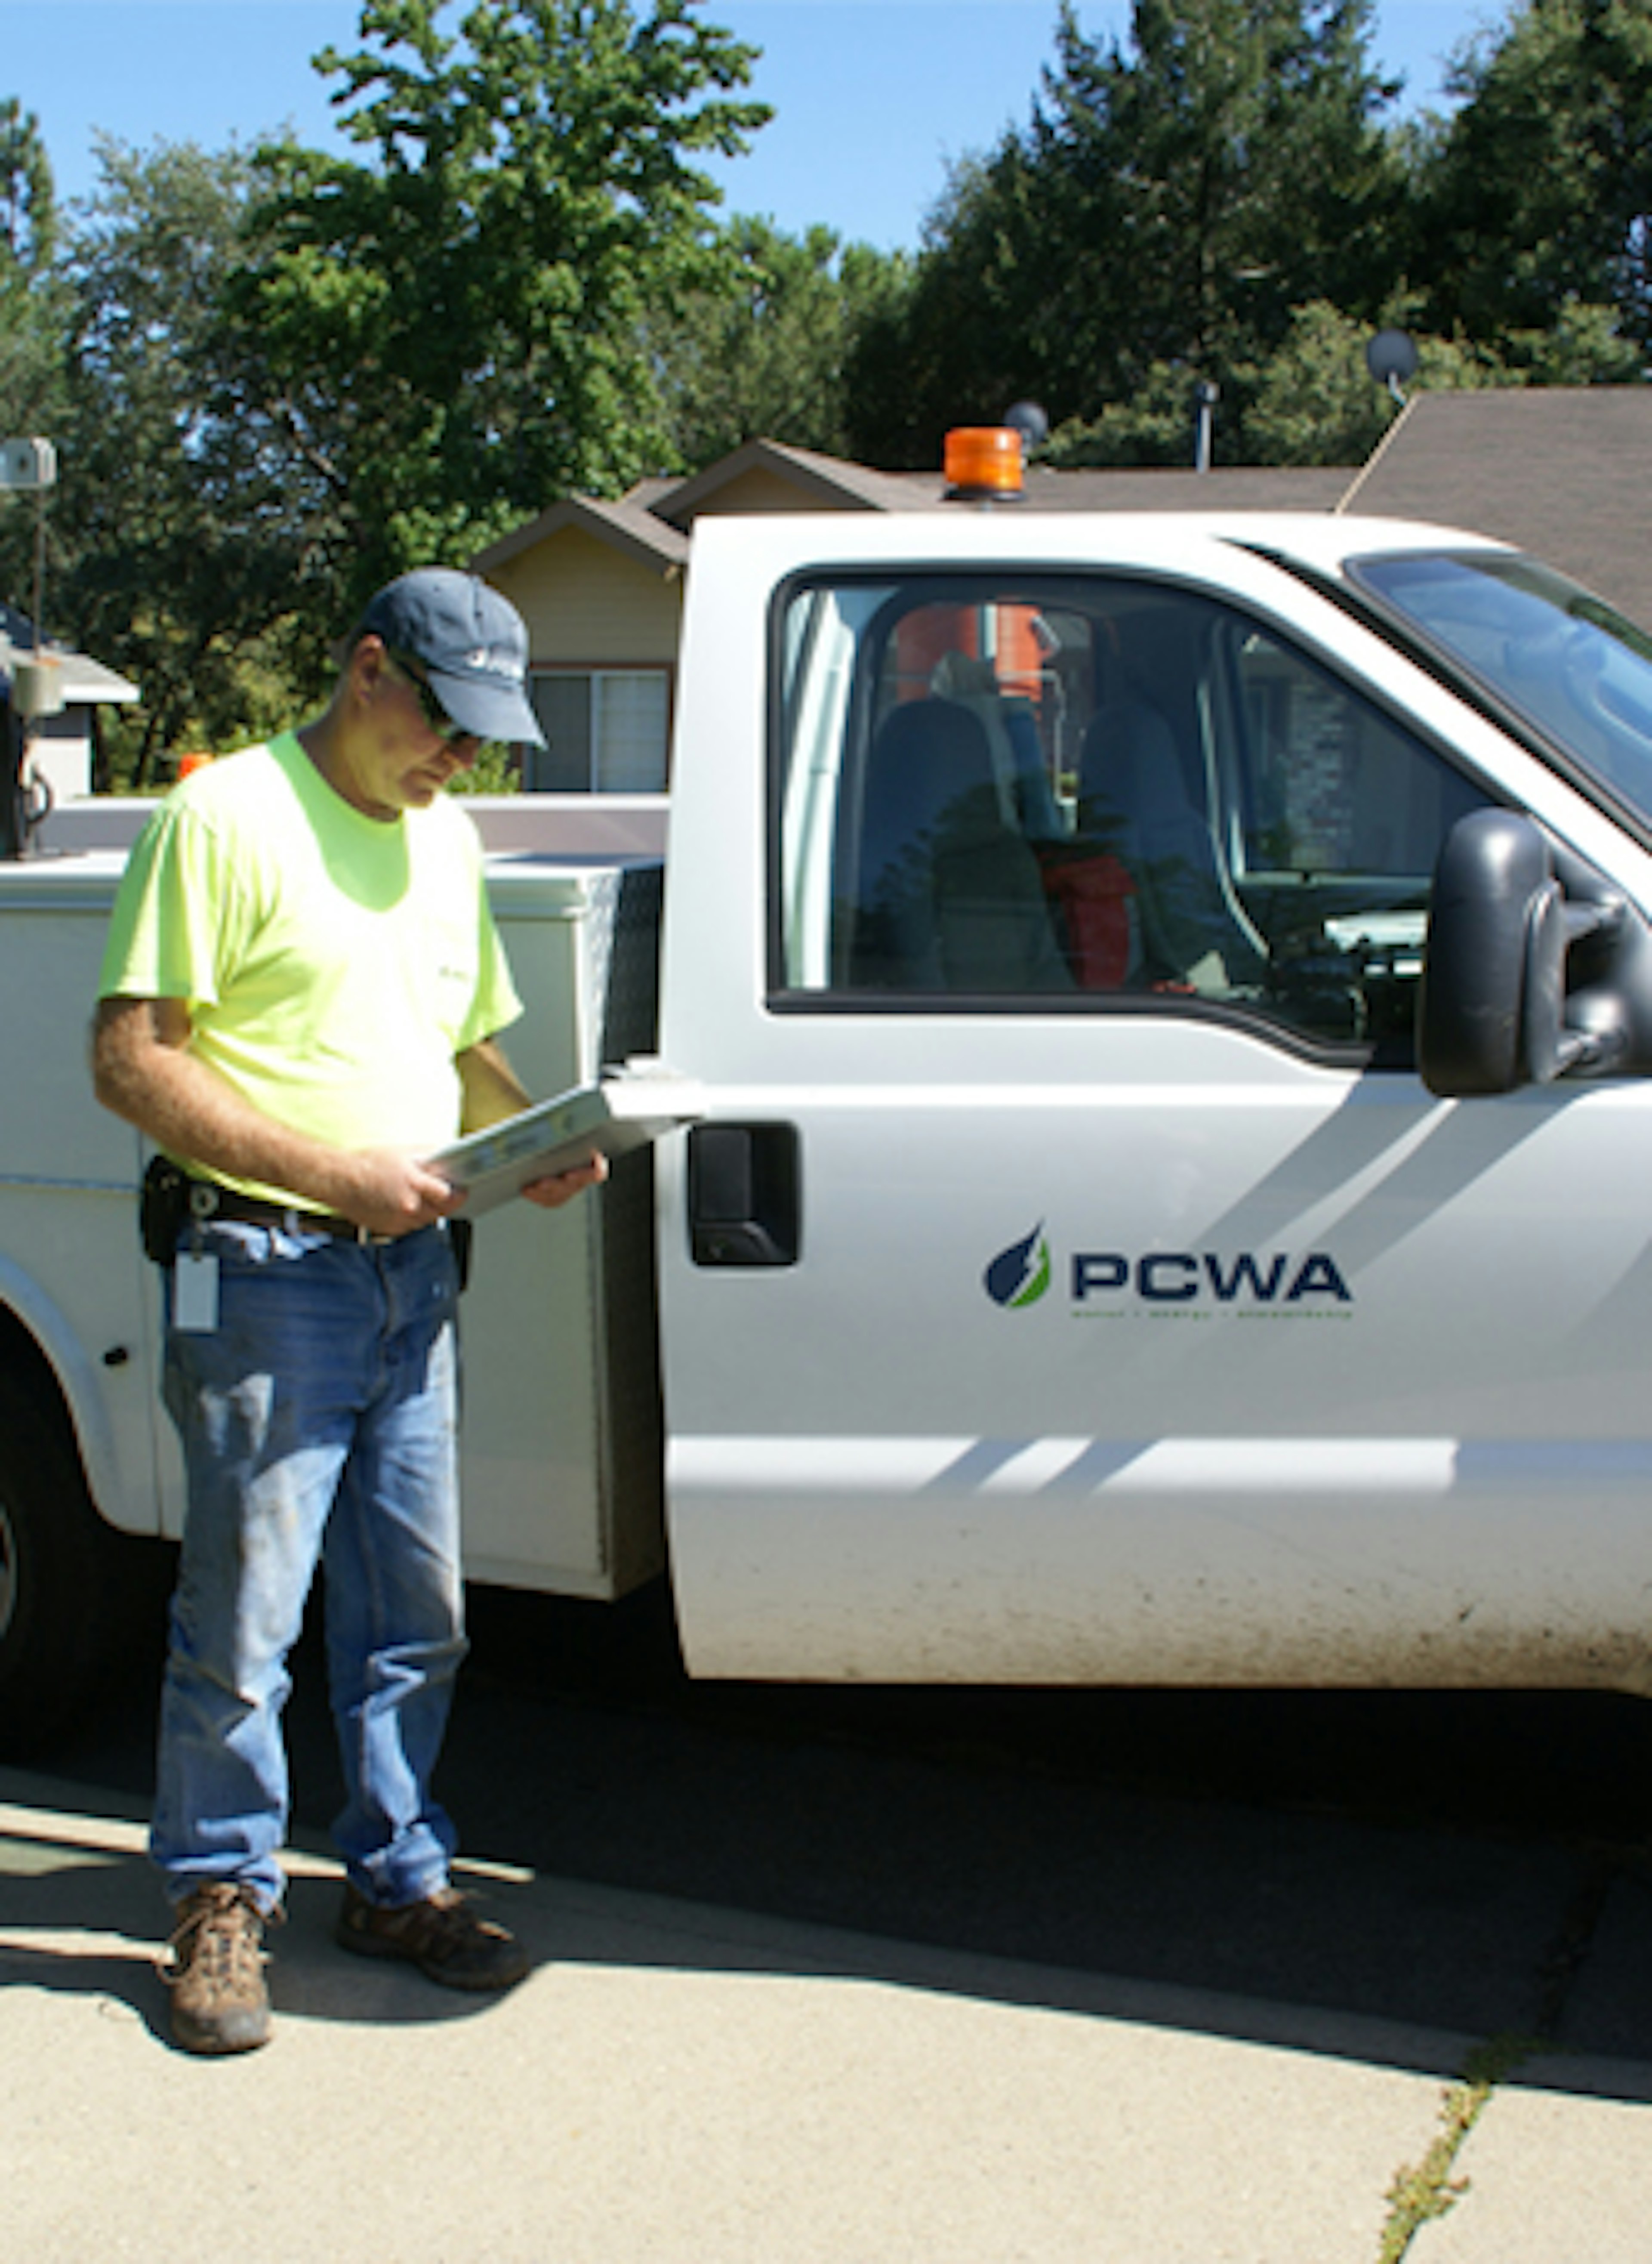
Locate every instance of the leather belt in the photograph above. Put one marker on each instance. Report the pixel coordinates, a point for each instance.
(207, 1200)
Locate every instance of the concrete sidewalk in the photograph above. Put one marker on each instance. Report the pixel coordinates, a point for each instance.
(683, 2085)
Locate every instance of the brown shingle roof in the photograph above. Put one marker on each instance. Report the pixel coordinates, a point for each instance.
(1563, 471)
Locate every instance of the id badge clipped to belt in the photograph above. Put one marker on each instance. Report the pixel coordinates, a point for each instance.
(195, 1293)
(195, 1271)
(168, 1202)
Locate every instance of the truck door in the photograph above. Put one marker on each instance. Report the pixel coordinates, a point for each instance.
(1074, 1281)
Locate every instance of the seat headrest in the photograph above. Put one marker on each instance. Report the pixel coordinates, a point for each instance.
(931, 761)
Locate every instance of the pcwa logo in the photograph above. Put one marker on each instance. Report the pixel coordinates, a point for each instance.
(1020, 1274)
(1156, 1281)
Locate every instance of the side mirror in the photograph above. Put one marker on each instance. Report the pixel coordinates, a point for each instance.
(1493, 1003)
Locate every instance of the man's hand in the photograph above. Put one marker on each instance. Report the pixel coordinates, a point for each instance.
(389, 1192)
(493, 1091)
(552, 1193)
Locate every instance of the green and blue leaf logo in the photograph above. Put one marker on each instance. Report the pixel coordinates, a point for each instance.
(1020, 1276)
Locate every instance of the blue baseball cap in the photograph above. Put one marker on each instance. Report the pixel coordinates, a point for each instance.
(471, 644)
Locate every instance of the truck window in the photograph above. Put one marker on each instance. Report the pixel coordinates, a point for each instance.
(1560, 657)
(1114, 794)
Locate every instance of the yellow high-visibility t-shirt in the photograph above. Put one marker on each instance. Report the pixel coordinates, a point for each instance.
(334, 965)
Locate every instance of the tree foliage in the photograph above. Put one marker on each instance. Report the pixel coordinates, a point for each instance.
(1169, 204)
(179, 540)
(456, 329)
(1312, 400)
(1540, 192)
(33, 353)
(762, 348)
(28, 197)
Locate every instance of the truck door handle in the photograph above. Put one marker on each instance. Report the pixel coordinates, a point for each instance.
(743, 1194)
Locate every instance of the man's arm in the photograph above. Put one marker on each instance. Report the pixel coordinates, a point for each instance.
(491, 1088)
(142, 1070)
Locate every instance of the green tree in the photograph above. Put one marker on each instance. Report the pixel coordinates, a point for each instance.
(763, 352)
(28, 198)
(1314, 401)
(1155, 426)
(178, 542)
(458, 330)
(1537, 193)
(1167, 208)
(33, 359)
(1239, 163)
(974, 323)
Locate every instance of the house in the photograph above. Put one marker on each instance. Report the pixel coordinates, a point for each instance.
(62, 746)
(600, 585)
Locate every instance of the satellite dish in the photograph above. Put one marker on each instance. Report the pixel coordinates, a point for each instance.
(1029, 420)
(1391, 358)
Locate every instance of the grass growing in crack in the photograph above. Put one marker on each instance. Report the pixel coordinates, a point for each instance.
(1426, 2190)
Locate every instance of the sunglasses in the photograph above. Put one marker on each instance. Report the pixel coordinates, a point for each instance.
(435, 714)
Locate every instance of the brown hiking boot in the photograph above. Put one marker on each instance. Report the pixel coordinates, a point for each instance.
(220, 2003)
(441, 1935)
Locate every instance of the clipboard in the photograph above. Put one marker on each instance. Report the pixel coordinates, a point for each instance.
(625, 1108)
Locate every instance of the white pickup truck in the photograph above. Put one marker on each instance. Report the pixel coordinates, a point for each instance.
(1172, 1003)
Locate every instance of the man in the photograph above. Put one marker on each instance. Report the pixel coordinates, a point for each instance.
(298, 1006)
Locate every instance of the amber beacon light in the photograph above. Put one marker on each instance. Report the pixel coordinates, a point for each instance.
(983, 463)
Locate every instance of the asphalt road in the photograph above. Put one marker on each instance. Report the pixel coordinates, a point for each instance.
(1476, 1863)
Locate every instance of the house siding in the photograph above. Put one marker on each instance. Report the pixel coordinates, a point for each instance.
(586, 604)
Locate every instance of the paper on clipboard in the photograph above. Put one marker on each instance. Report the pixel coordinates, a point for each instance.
(625, 1108)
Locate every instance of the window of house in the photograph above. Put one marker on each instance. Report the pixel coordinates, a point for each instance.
(1100, 790)
(608, 731)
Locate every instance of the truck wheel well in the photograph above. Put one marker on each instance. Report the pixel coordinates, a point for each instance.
(22, 1358)
(80, 1604)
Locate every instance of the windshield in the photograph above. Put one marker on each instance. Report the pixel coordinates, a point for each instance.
(1566, 662)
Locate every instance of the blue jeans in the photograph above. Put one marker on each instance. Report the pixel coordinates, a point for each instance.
(319, 1422)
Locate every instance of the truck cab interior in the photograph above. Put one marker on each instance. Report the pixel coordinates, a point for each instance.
(1103, 790)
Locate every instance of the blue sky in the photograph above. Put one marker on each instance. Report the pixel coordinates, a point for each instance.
(872, 98)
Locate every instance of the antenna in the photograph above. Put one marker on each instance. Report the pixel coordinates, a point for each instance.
(1391, 358)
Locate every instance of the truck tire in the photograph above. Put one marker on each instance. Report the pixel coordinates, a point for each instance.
(62, 1597)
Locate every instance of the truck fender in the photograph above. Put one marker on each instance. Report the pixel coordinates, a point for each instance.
(46, 1326)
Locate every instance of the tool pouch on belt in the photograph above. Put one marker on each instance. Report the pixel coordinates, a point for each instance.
(461, 1232)
(163, 1210)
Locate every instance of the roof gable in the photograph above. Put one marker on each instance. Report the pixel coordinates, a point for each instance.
(627, 524)
(820, 483)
